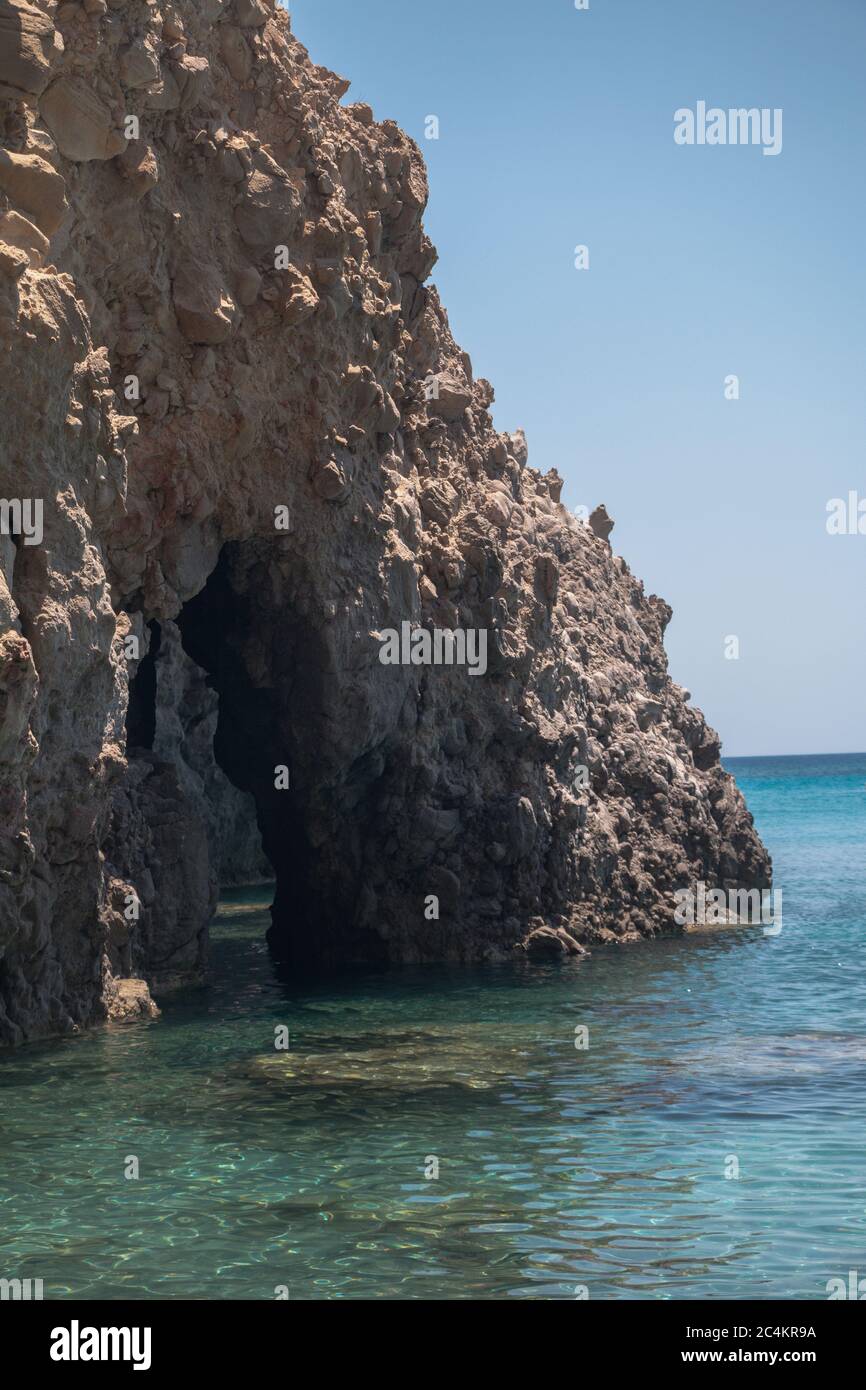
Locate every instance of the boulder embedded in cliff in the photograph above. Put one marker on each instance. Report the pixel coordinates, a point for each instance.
(29, 43)
(13, 261)
(139, 166)
(35, 188)
(79, 121)
(648, 712)
(16, 231)
(138, 64)
(235, 53)
(192, 75)
(330, 481)
(205, 310)
(301, 300)
(438, 501)
(498, 508)
(270, 209)
(449, 398)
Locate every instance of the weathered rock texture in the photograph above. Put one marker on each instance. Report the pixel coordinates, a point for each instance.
(209, 313)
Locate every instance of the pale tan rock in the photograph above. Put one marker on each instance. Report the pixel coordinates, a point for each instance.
(79, 121)
(301, 301)
(29, 46)
(35, 187)
(13, 261)
(450, 398)
(362, 112)
(129, 1001)
(497, 509)
(15, 230)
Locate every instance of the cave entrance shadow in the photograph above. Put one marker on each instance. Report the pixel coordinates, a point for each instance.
(141, 711)
(250, 745)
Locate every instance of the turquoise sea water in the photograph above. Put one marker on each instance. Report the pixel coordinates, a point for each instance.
(559, 1169)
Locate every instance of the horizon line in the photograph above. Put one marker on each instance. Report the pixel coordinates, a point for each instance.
(753, 756)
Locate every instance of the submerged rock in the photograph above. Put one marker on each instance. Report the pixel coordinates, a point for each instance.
(777, 1056)
(259, 451)
(430, 1059)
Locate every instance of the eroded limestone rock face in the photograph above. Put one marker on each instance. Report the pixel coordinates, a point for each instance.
(226, 378)
(28, 43)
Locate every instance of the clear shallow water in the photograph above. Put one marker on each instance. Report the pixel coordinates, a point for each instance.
(558, 1167)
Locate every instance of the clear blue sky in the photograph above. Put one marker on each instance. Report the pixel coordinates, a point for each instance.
(556, 128)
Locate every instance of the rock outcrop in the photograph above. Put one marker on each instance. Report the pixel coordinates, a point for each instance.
(240, 455)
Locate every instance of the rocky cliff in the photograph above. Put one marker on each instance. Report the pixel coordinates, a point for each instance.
(239, 451)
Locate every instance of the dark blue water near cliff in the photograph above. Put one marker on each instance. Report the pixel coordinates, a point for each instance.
(559, 1169)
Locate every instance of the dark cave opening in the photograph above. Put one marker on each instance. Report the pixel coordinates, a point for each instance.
(141, 710)
(252, 741)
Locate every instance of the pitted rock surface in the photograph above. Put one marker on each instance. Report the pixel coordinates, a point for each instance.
(227, 377)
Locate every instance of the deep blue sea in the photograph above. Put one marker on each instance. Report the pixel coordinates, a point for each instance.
(437, 1133)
